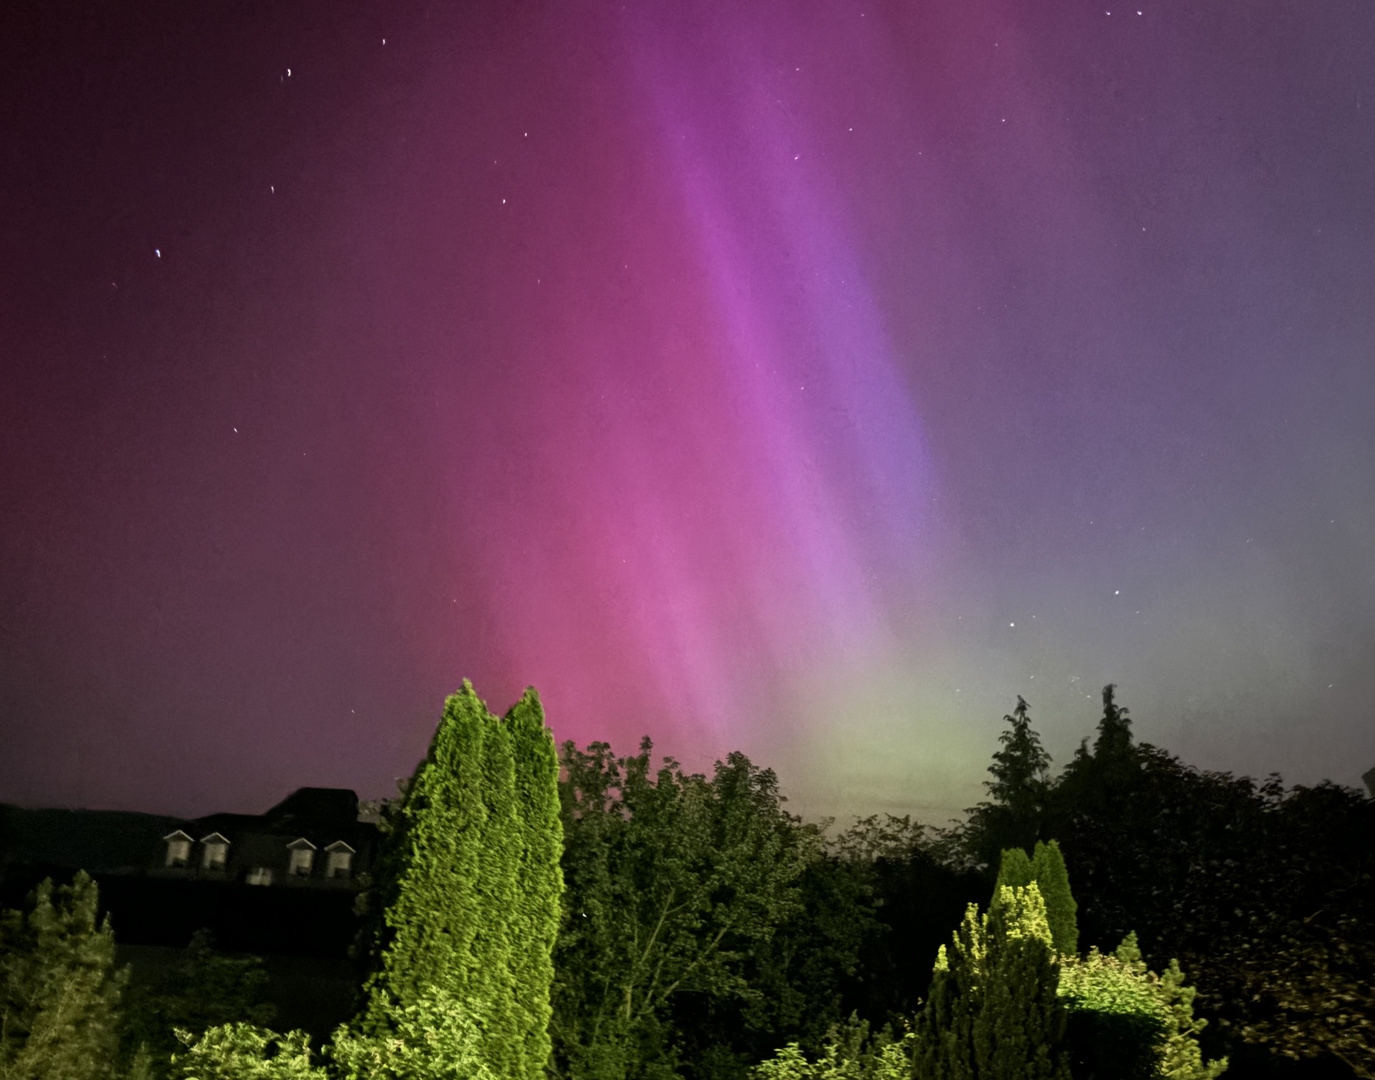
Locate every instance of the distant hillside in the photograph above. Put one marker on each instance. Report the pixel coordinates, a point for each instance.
(97, 841)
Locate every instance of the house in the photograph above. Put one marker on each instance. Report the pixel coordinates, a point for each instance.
(283, 881)
(281, 885)
(313, 838)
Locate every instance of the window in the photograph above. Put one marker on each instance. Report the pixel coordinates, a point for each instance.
(214, 852)
(259, 875)
(340, 864)
(302, 857)
(178, 848)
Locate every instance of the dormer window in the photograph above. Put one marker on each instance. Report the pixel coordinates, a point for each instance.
(178, 848)
(259, 875)
(214, 852)
(340, 863)
(302, 857)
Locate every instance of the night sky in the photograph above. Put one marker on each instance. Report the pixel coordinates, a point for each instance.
(805, 377)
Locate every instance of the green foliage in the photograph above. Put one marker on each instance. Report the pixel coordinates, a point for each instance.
(1116, 1022)
(848, 1054)
(993, 1013)
(1052, 878)
(206, 989)
(1181, 1058)
(471, 887)
(1127, 1022)
(673, 879)
(59, 989)
(433, 1039)
(244, 1052)
(1267, 892)
(917, 891)
(1014, 872)
(1047, 869)
(1309, 992)
(799, 976)
(538, 910)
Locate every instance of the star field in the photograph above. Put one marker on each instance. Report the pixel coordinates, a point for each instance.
(807, 379)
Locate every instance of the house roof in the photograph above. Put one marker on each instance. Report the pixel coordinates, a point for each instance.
(314, 809)
(300, 844)
(120, 842)
(339, 845)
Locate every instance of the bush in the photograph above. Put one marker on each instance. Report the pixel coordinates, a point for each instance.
(244, 1052)
(849, 1054)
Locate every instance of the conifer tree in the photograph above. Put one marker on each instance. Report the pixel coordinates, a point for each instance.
(1012, 818)
(472, 896)
(1047, 869)
(1052, 878)
(1114, 729)
(59, 988)
(539, 877)
(992, 1013)
(1017, 1032)
(1180, 1058)
(1014, 871)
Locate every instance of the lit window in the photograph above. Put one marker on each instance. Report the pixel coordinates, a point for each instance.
(302, 860)
(340, 863)
(214, 852)
(178, 848)
(259, 875)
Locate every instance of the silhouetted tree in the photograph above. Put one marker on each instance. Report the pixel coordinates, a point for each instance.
(1012, 817)
(917, 894)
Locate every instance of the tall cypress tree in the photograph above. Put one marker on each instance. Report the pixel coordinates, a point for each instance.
(473, 890)
(1052, 878)
(539, 877)
(1014, 871)
(1046, 868)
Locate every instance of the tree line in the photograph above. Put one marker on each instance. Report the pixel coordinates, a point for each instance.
(586, 916)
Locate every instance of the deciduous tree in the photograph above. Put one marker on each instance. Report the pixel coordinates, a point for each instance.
(672, 878)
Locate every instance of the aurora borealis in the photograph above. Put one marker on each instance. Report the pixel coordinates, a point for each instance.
(805, 378)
